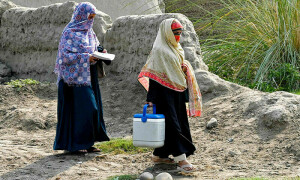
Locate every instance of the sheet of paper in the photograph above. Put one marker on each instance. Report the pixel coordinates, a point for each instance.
(104, 56)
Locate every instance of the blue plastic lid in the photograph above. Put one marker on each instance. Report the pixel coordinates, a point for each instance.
(150, 116)
(146, 116)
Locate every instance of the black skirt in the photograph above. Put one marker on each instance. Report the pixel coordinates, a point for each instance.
(171, 103)
(80, 116)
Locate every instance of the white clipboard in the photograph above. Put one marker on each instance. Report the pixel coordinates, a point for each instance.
(103, 56)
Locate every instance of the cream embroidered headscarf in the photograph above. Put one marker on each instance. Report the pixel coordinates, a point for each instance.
(164, 65)
(164, 62)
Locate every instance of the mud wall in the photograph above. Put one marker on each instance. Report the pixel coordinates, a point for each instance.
(114, 8)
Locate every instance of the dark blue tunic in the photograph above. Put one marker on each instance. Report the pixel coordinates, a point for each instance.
(80, 116)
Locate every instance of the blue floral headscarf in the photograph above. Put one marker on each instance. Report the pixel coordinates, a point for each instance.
(78, 40)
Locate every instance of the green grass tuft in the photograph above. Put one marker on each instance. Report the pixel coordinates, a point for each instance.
(250, 179)
(121, 146)
(123, 177)
(20, 83)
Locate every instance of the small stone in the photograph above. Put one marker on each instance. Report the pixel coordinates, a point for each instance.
(212, 123)
(230, 140)
(146, 176)
(164, 176)
(231, 153)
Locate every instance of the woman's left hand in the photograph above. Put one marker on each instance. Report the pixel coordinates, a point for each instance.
(104, 51)
(93, 59)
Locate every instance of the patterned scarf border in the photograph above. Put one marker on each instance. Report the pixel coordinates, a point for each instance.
(194, 107)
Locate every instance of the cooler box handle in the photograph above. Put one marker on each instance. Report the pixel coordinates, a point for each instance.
(144, 118)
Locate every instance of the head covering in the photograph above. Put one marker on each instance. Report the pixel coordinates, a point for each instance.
(164, 65)
(78, 40)
(176, 25)
(164, 61)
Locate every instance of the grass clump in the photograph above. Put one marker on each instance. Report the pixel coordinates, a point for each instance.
(20, 83)
(120, 146)
(260, 46)
(123, 177)
(255, 178)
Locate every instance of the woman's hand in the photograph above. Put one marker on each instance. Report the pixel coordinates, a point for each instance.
(150, 104)
(93, 59)
(104, 51)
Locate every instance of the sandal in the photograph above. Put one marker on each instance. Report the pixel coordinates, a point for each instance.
(158, 160)
(182, 168)
(93, 149)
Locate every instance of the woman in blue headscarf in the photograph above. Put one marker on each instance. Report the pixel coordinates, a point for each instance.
(79, 111)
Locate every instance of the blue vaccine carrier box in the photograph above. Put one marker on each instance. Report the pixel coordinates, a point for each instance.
(148, 129)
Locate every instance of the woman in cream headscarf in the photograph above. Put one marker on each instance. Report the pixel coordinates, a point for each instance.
(170, 82)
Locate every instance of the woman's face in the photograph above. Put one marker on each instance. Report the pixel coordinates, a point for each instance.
(177, 34)
(91, 16)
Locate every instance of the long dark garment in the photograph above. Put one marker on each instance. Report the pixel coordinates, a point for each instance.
(171, 103)
(80, 116)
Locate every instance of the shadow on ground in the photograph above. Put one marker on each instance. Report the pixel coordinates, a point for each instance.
(48, 167)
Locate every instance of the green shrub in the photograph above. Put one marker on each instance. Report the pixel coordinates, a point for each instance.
(120, 146)
(260, 44)
(298, 92)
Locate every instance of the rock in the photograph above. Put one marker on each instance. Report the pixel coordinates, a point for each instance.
(212, 123)
(274, 116)
(231, 153)
(212, 86)
(272, 110)
(230, 140)
(146, 176)
(164, 176)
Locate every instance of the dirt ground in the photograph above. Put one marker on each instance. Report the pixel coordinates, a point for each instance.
(237, 147)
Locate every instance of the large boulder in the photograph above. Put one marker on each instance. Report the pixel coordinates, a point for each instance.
(212, 86)
(272, 110)
(29, 37)
(131, 39)
(114, 8)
